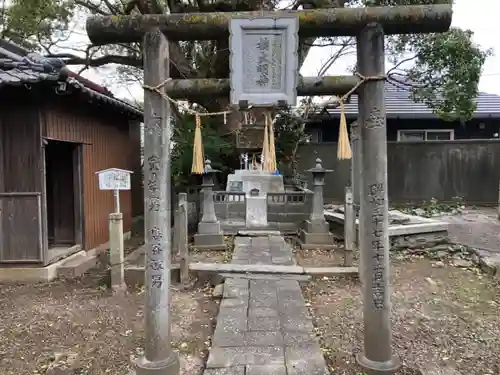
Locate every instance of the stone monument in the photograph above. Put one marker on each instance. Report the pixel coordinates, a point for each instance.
(316, 231)
(209, 236)
(256, 210)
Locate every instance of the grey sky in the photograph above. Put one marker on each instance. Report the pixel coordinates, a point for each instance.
(481, 16)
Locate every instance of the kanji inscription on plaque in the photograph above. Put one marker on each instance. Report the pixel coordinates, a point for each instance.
(264, 61)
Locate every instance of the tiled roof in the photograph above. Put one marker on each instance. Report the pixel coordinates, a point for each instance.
(398, 104)
(18, 67)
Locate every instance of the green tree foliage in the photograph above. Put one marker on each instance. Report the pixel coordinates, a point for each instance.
(446, 71)
(289, 135)
(35, 23)
(218, 149)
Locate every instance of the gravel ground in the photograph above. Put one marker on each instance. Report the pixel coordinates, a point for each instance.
(45, 326)
(207, 256)
(445, 320)
(195, 255)
(322, 258)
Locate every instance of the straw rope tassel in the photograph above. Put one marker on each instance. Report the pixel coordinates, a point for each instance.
(272, 147)
(344, 147)
(265, 148)
(198, 163)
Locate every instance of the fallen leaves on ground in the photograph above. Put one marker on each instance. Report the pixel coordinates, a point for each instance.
(46, 323)
(445, 320)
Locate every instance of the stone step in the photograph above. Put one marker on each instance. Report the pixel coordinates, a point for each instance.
(263, 325)
(246, 268)
(265, 276)
(271, 269)
(77, 266)
(258, 232)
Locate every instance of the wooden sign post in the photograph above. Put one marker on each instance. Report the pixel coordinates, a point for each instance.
(116, 179)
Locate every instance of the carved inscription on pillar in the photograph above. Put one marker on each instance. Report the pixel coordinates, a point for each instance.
(376, 196)
(154, 128)
(155, 238)
(155, 261)
(153, 165)
(375, 119)
(354, 131)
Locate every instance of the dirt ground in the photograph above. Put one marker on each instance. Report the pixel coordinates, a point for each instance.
(322, 258)
(446, 320)
(42, 324)
(218, 256)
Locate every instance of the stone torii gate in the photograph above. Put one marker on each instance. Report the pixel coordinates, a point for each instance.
(369, 25)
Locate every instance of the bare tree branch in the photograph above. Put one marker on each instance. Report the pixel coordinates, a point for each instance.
(71, 59)
(395, 67)
(92, 7)
(342, 51)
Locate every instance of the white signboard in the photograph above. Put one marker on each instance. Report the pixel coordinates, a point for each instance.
(114, 179)
(264, 65)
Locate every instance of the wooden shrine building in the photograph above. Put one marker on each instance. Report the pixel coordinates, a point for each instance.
(56, 130)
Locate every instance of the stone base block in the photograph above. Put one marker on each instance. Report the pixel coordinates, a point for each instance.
(316, 226)
(28, 275)
(258, 232)
(315, 240)
(379, 368)
(209, 228)
(169, 366)
(209, 241)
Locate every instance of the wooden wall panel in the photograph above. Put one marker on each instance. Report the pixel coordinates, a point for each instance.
(21, 149)
(21, 182)
(106, 144)
(137, 187)
(3, 125)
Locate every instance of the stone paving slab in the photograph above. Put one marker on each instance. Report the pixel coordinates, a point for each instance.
(264, 326)
(236, 370)
(266, 276)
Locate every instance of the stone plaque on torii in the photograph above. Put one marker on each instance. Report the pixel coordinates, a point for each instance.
(263, 61)
(369, 25)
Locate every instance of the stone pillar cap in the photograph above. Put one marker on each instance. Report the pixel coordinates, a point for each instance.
(208, 167)
(318, 168)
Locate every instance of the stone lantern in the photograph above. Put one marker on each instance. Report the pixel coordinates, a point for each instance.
(316, 232)
(209, 236)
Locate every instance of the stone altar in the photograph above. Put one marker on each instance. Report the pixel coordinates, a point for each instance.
(244, 180)
(256, 184)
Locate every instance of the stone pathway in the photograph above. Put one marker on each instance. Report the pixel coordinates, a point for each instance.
(264, 326)
(478, 229)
